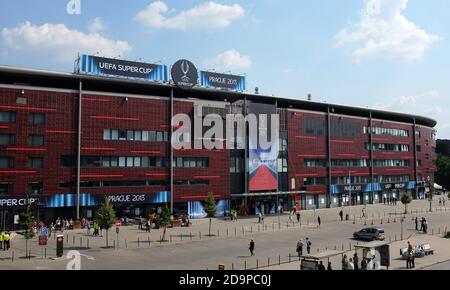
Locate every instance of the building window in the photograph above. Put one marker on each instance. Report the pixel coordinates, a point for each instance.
(6, 189)
(6, 162)
(36, 162)
(419, 163)
(36, 140)
(36, 119)
(7, 139)
(7, 117)
(35, 188)
(135, 135)
(67, 161)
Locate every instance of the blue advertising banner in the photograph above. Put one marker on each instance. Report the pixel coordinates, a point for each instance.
(115, 67)
(369, 187)
(222, 81)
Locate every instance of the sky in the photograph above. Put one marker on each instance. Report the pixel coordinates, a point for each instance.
(382, 54)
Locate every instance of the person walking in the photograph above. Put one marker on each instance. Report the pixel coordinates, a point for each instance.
(319, 221)
(252, 247)
(298, 217)
(356, 261)
(259, 217)
(416, 220)
(300, 245)
(341, 214)
(409, 256)
(321, 266)
(425, 226)
(350, 265)
(329, 268)
(6, 241)
(308, 245)
(344, 263)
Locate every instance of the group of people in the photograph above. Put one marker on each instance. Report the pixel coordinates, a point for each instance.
(301, 244)
(390, 200)
(423, 225)
(353, 263)
(5, 241)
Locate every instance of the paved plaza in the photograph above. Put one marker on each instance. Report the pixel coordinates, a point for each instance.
(191, 248)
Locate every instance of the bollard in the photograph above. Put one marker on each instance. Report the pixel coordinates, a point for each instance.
(126, 244)
(45, 253)
(235, 231)
(170, 238)
(381, 221)
(335, 247)
(342, 247)
(389, 238)
(190, 234)
(289, 257)
(12, 256)
(389, 221)
(227, 232)
(287, 224)
(218, 233)
(138, 242)
(232, 266)
(243, 231)
(73, 240)
(395, 237)
(87, 243)
(258, 228)
(272, 227)
(257, 264)
(245, 265)
(432, 232)
(268, 262)
(114, 243)
(251, 229)
(372, 223)
(439, 231)
(81, 242)
(279, 260)
(181, 237)
(200, 235)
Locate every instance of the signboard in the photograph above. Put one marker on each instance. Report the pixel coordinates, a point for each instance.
(222, 81)
(184, 74)
(369, 187)
(43, 231)
(43, 240)
(263, 163)
(116, 67)
(10, 202)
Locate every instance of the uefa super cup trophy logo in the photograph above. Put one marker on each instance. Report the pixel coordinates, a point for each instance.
(185, 69)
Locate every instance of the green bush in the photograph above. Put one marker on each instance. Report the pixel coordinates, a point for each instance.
(447, 235)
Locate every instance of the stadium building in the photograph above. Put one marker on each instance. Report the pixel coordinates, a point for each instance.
(67, 140)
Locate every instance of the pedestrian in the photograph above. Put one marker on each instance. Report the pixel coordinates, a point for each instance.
(416, 220)
(422, 222)
(440, 201)
(409, 256)
(298, 217)
(329, 268)
(259, 217)
(344, 263)
(425, 226)
(300, 248)
(321, 266)
(2, 237)
(6, 241)
(356, 261)
(308, 245)
(319, 221)
(341, 214)
(350, 265)
(364, 264)
(252, 247)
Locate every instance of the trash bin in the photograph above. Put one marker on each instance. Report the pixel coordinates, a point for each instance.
(347, 217)
(59, 246)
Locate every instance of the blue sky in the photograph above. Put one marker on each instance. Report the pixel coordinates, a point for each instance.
(387, 54)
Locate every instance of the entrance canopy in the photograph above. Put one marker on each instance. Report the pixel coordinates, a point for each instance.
(269, 193)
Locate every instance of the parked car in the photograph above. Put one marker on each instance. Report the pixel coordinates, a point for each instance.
(369, 234)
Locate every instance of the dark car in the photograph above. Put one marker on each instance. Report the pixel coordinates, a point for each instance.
(369, 234)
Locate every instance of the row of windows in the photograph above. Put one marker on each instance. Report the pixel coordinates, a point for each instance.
(33, 162)
(33, 140)
(133, 183)
(33, 118)
(342, 180)
(356, 163)
(388, 147)
(386, 131)
(135, 161)
(135, 135)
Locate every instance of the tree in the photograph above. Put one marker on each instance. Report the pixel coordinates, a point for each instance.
(448, 195)
(443, 171)
(210, 209)
(26, 222)
(406, 199)
(106, 217)
(165, 220)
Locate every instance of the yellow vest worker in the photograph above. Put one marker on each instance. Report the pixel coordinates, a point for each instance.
(6, 237)
(2, 237)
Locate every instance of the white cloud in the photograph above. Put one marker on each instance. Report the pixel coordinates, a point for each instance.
(206, 15)
(96, 25)
(429, 104)
(231, 59)
(383, 31)
(60, 41)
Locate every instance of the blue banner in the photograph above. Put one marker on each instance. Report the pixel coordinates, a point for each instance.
(222, 81)
(115, 67)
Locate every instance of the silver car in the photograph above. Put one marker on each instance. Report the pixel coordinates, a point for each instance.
(369, 234)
